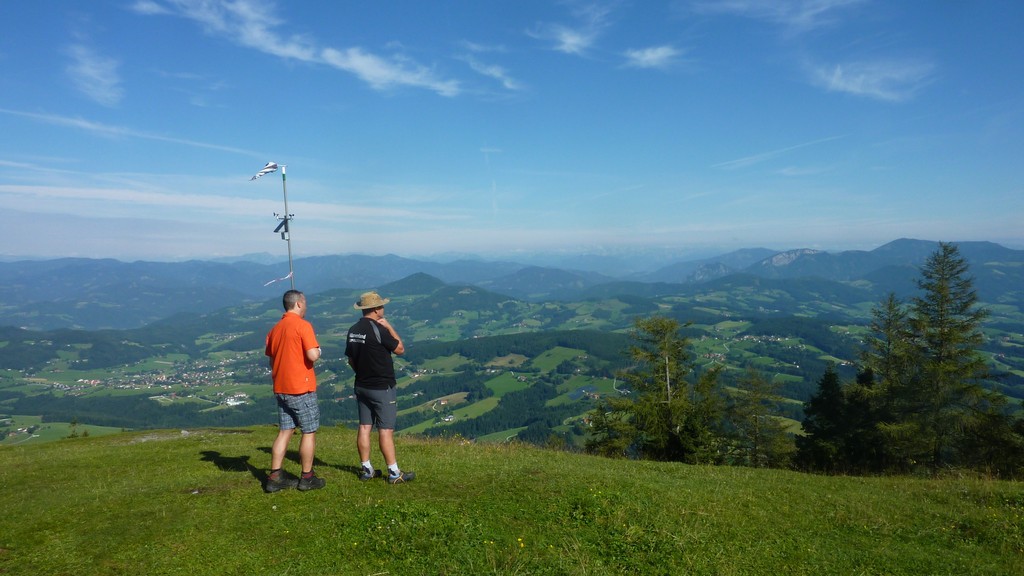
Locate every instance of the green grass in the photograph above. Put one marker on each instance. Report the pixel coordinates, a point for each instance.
(44, 431)
(168, 503)
(445, 364)
(504, 383)
(548, 360)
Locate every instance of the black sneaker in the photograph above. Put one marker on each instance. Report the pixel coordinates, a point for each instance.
(369, 474)
(312, 483)
(284, 480)
(401, 477)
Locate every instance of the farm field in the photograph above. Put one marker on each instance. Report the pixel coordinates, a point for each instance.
(464, 368)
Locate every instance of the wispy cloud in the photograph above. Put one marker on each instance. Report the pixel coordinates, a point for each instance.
(653, 57)
(566, 39)
(126, 201)
(198, 89)
(483, 48)
(578, 38)
(495, 72)
(122, 132)
(95, 75)
(140, 198)
(797, 171)
(252, 23)
(764, 156)
(149, 7)
(794, 15)
(893, 81)
(382, 73)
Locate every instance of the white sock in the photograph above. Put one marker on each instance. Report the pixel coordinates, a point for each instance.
(393, 468)
(368, 465)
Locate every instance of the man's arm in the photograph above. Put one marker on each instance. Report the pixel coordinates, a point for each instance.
(400, 349)
(313, 354)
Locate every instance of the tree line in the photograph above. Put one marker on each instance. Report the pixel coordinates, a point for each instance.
(919, 401)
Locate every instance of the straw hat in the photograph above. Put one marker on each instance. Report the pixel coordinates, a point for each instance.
(370, 300)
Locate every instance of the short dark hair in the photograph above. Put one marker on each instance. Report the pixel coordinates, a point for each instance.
(291, 298)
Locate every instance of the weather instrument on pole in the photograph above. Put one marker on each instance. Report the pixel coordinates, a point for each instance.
(284, 228)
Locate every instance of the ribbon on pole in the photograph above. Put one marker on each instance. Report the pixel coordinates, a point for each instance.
(270, 167)
(279, 279)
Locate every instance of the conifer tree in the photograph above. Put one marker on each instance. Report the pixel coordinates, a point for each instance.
(892, 360)
(932, 405)
(841, 426)
(760, 438)
(665, 417)
(946, 320)
(612, 431)
(822, 445)
(865, 447)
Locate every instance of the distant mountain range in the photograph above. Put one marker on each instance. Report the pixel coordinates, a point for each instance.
(95, 294)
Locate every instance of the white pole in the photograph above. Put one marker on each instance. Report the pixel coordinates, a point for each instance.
(668, 386)
(287, 226)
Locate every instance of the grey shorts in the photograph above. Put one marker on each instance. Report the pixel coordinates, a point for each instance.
(298, 410)
(377, 407)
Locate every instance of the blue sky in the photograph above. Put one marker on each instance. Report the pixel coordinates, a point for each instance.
(131, 128)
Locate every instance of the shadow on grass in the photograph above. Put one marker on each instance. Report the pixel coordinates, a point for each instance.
(293, 456)
(234, 464)
(242, 464)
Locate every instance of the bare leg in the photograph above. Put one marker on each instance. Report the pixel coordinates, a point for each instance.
(387, 445)
(279, 448)
(307, 447)
(363, 441)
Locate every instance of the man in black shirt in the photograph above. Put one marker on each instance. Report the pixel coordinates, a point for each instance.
(368, 346)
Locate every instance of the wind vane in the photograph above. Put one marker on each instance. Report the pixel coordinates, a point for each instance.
(283, 228)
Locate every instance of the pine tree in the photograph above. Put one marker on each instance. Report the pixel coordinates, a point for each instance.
(665, 417)
(822, 445)
(865, 448)
(947, 321)
(702, 433)
(760, 438)
(892, 359)
(612, 431)
(841, 426)
(932, 404)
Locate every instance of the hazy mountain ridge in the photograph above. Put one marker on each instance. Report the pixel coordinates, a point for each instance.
(105, 293)
(792, 327)
(703, 269)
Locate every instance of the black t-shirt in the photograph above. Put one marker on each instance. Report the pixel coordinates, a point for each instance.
(368, 347)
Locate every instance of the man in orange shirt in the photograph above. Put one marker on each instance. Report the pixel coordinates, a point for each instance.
(293, 348)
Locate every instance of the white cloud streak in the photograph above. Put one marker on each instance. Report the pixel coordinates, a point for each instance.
(576, 40)
(797, 16)
(893, 81)
(251, 23)
(495, 72)
(121, 132)
(382, 74)
(764, 156)
(149, 7)
(653, 57)
(95, 75)
(124, 202)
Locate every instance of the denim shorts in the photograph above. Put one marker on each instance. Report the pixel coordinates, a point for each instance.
(298, 410)
(377, 407)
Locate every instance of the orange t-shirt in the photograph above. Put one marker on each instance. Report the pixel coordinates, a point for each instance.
(287, 343)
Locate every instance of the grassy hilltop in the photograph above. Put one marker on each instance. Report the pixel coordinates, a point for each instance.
(190, 502)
